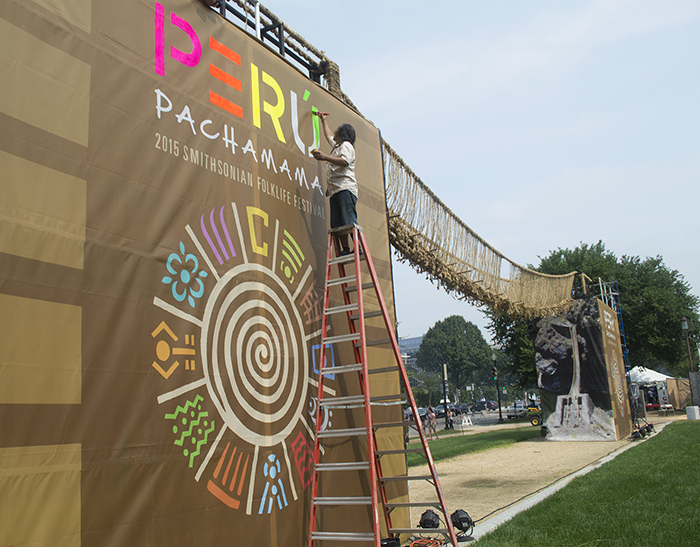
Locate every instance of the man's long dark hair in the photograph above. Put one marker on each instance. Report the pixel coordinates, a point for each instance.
(346, 132)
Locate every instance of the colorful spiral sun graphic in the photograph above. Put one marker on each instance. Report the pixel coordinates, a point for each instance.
(243, 315)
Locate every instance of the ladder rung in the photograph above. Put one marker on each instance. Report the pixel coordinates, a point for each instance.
(407, 478)
(341, 536)
(380, 398)
(394, 424)
(419, 531)
(343, 369)
(357, 500)
(415, 504)
(342, 338)
(343, 432)
(346, 258)
(349, 400)
(383, 369)
(375, 342)
(342, 466)
(353, 288)
(341, 280)
(341, 309)
(369, 314)
(404, 451)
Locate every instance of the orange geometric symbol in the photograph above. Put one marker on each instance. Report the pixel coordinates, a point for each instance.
(311, 304)
(217, 490)
(164, 351)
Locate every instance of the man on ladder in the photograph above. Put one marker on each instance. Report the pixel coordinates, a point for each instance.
(342, 189)
(341, 185)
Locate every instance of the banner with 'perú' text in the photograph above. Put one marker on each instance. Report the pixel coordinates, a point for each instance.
(163, 235)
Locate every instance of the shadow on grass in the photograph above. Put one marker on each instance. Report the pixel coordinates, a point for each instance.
(456, 445)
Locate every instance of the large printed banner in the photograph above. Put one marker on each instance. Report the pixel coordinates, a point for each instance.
(581, 371)
(163, 233)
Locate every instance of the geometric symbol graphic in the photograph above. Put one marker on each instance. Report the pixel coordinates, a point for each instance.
(271, 471)
(186, 282)
(164, 351)
(311, 302)
(192, 422)
(317, 348)
(189, 341)
(303, 459)
(291, 253)
(254, 354)
(326, 414)
(220, 491)
(219, 245)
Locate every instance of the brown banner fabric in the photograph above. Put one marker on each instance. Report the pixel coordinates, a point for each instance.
(617, 378)
(163, 233)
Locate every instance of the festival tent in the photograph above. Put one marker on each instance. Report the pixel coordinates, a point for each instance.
(678, 388)
(643, 375)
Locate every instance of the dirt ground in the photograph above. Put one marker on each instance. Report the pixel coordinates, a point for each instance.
(484, 483)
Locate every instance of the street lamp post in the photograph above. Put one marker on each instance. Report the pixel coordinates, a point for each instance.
(498, 389)
(685, 329)
(444, 395)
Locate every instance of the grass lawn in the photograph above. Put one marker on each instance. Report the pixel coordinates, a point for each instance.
(646, 497)
(448, 446)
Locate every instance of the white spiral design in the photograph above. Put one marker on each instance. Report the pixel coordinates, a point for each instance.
(254, 354)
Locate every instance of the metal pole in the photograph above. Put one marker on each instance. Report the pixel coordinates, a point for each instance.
(444, 394)
(498, 389)
(498, 393)
(690, 355)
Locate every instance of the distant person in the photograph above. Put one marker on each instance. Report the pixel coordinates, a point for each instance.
(450, 419)
(432, 423)
(341, 186)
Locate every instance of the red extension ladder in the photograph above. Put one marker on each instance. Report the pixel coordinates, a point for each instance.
(350, 285)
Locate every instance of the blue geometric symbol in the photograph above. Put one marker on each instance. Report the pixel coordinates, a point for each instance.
(273, 490)
(317, 348)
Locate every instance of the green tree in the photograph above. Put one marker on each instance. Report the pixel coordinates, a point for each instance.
(653, 299)
(426, 387)
(461, 346)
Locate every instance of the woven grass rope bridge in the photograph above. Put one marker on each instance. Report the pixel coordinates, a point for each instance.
(435, 241)
(422, 229)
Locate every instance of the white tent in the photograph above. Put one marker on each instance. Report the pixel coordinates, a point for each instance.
(642, 375)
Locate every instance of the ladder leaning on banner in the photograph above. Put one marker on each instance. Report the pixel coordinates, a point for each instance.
(351, 284)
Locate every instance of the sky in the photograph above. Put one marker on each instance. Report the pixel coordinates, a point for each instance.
(541, 124)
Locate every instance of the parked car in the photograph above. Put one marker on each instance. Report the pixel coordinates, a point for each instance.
(517, 410)
(492, 405)
(461, 408)
(422, 412)
(480, 406)
(439, 410)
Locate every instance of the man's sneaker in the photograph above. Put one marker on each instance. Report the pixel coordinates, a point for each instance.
(345, 252)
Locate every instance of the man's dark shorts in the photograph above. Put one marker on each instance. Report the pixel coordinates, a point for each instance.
(343, 212)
